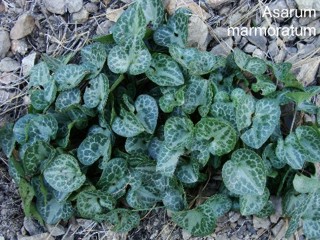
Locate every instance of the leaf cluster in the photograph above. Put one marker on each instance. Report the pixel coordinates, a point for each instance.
(143, 121)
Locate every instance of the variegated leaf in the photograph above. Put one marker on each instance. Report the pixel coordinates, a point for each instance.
(64, 174)
(244, 173)
(69, 76)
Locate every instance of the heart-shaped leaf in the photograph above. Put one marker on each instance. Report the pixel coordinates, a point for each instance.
(196, 61)
(176, 30)
(131, 25)
(311, 228)
(92, 203)
(164, 71)
(94, 147)
(244, 173)
(254, 65)
(264, 84)
(68, 98)
(153, 12)
(266, 118)
(138, 144)
(147, 112)
(142, 197)
(96, 94)
(42, 127)
(201, 220)
(198, 93)
(69, 76)
(123, 220)
(167, 160)
(37, 154)
(220, 136)
(171, 99)
(250, 204)
(93, 57)
(309, 139)
(133, 58)
(127, 125)
(178, 132)
(64, 174)
(39, 75)
(21, 126)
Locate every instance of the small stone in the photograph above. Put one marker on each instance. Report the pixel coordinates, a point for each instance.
(28, 63)
(279, 4)
(215, 4)
(261, 222)
(9, 65)
(273, 49)
(91, 7)
(32, 227)
(85, 223)
(259, 53)
(198, 33)
(56, 230)
(185, 235)
(234, 19)
(2, 7)
(310, 4)
(259, 41)
(249, 48)
(61, 6)
(23, 27)
(172, 5)
(220, 32)
(316, 25)
(305, 49)
(285, 36)
(42, 236)
(104, 27)
(307, 20)
(278, 228)
(308, 71)
(234, 216)
(19, 46)
(281, 56)
(225, 10)
(5, 43)
(80, 17)
(7, 78)
(223, 48)
(114, 14)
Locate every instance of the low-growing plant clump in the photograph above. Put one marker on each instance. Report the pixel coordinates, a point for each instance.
(138, 120)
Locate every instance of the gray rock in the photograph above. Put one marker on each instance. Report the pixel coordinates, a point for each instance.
(80, 17)
(305, 49)
(61, 6)
(27, 63)
(5, 43)
(9, 65)
(308, 71)
(285, 36)
(249, 48)
(259, 41)
(56, 230)
(198, 36)
(281, 56)
(278, 228)
(261, 222)
(7, 78)
(185, 235)
(242, 42)
(19, 46)
(215, 4)
(273, 49)
(233, 216)
(32, 227)
(315, 24)
(291, 4)
(23, 26)
(220, 32)
(91, 7)
(42, 236)
(306, 20)
(223, 48)
(104, 27)
(259, 54)
(279, 5)
(310, 4)
(225, 10)
(234, 19)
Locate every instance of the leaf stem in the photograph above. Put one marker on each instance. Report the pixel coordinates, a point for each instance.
(116, 83)
(294, 118)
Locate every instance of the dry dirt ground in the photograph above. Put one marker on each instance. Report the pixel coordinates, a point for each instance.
(29, 28)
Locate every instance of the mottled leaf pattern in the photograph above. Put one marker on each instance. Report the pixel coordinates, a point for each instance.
(68, 98)
(64, 174)
(69, 76)
(220, 137)
(96, 94)
(167, 160)
(7, 140)
(93, 147)
(164, 71)
(176, 30)
(39, 75)
(127, 125)
(178, 132)
(94, 57)
(123, 220)
(197, 62)
(252, 204)
(147, 112)
(153, 12)
(244, 174)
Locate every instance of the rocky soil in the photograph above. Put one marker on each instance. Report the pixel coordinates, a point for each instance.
(31, 28)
